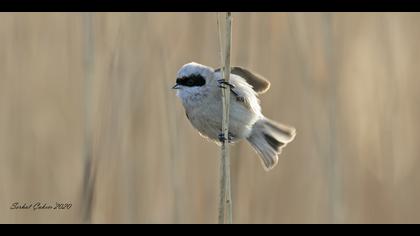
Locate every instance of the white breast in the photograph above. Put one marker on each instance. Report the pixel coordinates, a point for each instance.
(203, 106)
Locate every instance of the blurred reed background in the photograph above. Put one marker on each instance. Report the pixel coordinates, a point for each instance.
(80, 88)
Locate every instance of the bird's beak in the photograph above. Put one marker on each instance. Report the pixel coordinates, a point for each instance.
(176, 86)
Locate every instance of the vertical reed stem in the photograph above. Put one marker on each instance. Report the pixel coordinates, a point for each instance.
(89, 177)
(225, 203)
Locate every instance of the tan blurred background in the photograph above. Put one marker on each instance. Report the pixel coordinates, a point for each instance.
(77, 86)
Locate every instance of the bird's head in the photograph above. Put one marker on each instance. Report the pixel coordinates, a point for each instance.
(193, 79)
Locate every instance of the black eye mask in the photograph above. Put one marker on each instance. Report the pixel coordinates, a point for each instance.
(191, 81)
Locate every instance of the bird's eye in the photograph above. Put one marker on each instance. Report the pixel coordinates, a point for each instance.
(190, 82)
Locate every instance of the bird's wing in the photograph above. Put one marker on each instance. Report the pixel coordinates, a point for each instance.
(258, 82)
(243, 93)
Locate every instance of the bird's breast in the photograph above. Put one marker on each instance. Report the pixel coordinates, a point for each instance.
(206, 116)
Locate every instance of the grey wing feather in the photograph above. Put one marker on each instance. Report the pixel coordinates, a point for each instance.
(258, 82)
(244, 93)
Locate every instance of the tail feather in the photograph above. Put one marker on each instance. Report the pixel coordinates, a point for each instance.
(268, 138)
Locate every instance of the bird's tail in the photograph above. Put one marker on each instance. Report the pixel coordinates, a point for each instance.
(268, 138)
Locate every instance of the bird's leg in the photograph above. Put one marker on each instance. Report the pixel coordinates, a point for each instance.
(222, 137)
(223, 84)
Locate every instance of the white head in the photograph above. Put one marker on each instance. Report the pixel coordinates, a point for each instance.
(192, 80)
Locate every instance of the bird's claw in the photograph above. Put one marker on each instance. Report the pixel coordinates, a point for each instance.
(223, 139)
(223, 83)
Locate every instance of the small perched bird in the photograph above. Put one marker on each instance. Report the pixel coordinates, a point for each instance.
(199, 90)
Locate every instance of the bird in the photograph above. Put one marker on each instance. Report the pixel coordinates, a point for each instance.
(199, 89)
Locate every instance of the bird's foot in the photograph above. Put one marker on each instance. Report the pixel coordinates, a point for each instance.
(222, 137)
(223, 83)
